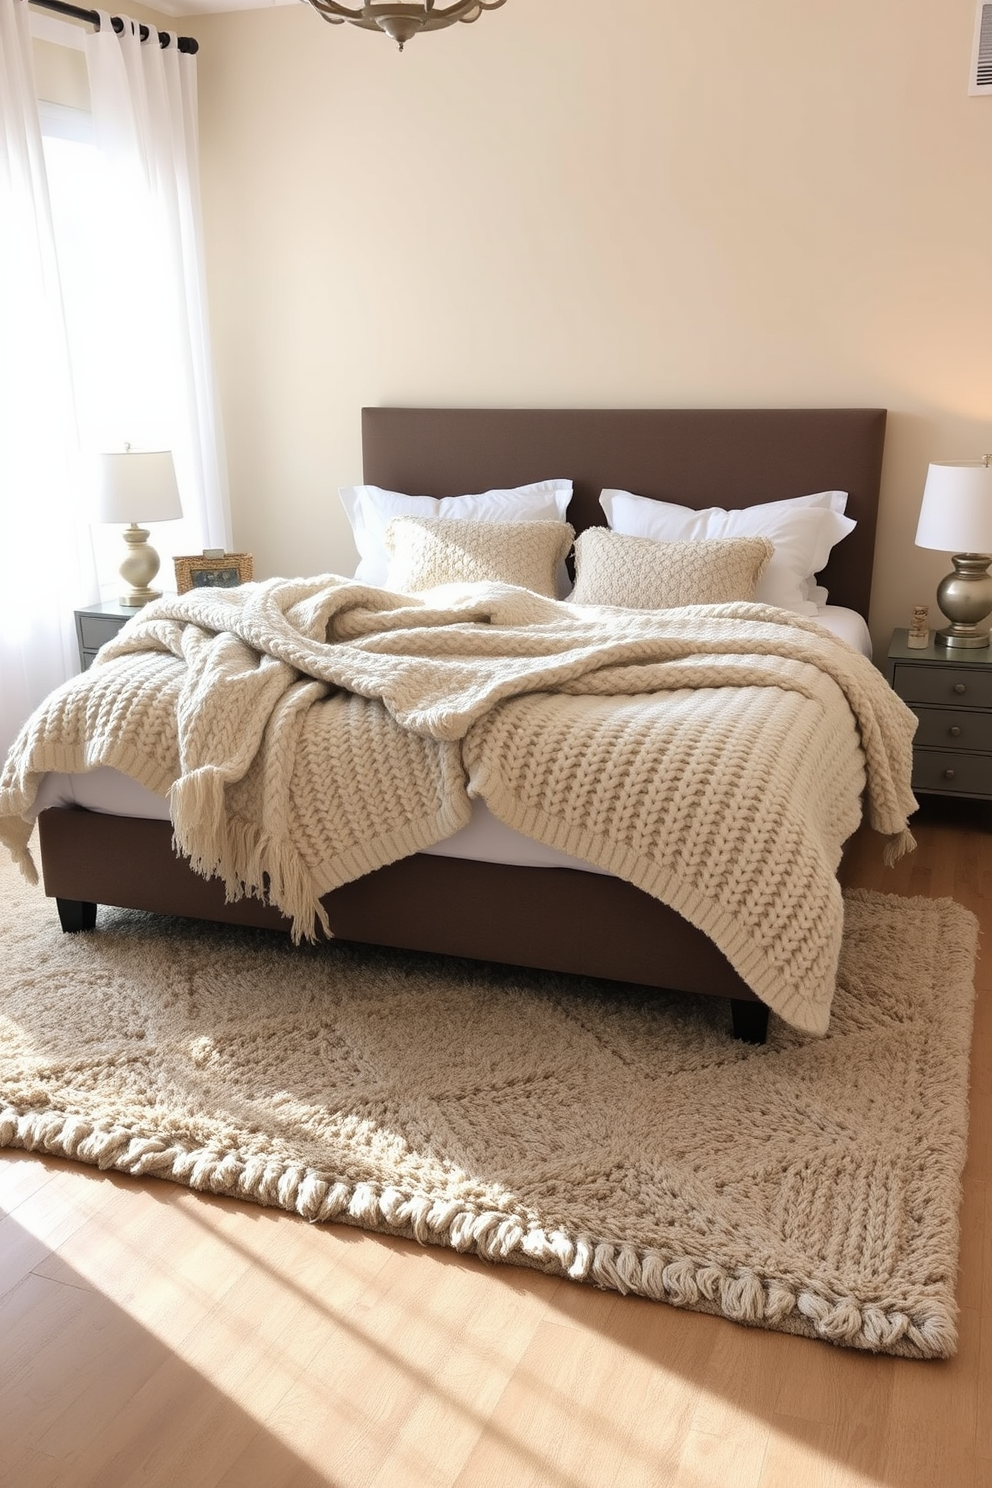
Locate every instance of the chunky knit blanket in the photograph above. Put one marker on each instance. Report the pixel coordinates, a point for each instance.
(309, 731)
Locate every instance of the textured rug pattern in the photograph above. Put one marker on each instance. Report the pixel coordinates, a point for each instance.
(607, 1134)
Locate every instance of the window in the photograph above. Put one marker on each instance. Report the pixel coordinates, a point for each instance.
(124, 350)
(121, 343)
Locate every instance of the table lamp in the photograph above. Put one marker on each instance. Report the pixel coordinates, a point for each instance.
(138, 486)
(956, 517)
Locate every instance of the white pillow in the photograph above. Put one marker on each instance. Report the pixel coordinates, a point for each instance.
(803, 530)
(370, 510)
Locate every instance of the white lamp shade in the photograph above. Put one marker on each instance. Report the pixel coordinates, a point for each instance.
(139, 486)
(956, 514)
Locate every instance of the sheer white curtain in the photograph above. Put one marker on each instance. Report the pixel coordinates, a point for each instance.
(129, 302)
(46, 557)
(159, 391)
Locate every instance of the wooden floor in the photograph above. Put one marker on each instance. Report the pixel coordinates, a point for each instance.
(151, 1336)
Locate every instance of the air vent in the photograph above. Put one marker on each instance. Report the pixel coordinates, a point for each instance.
(980, 81)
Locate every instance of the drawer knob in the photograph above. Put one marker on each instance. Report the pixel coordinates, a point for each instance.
(955, 732)
(960, 687)
(949, 774)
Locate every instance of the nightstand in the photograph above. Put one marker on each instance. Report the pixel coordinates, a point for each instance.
(950, 692)
(97, 623)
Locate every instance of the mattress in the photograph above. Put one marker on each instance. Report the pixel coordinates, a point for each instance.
(484, 839)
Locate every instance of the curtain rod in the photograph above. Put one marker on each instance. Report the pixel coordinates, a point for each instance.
(184, 43)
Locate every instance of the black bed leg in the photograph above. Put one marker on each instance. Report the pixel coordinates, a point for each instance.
(750, 1020)
(76, 914)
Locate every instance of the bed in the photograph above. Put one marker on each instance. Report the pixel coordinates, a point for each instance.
(557, 918)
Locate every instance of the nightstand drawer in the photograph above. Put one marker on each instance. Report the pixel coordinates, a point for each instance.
(953, 728)
(95, 630)
(97, 624)
(952, 774)
(967, 687)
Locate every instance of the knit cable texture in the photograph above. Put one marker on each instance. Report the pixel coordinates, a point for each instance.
(309, 731)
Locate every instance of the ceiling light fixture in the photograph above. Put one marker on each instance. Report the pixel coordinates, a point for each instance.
(401, 21)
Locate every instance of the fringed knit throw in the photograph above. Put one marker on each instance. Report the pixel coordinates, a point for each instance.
(310, 731)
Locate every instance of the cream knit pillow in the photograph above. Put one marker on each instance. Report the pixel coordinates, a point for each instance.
(638, 573)
(426, 551)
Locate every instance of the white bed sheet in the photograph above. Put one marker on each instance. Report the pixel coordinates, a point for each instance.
(484, 839)
(848, 626)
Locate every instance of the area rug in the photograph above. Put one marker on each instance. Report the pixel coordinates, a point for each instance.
(604, 1133)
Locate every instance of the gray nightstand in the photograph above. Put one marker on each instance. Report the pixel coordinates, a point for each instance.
(951, 694)
(97, 623)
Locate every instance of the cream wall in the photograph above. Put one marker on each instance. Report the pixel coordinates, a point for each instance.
(674, 204)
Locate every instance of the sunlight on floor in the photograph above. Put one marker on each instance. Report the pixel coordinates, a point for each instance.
(395, 1381)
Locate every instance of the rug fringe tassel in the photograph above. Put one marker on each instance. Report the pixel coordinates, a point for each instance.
(743, 1295)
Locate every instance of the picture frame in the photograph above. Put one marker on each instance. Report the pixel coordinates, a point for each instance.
(213, 569)
(980, 77)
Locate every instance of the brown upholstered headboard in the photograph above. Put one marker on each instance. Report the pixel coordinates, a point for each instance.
(695, 457)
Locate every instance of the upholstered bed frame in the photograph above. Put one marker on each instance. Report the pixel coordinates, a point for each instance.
(555, 918)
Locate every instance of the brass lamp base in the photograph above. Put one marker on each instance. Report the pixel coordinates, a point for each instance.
(965, 597)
